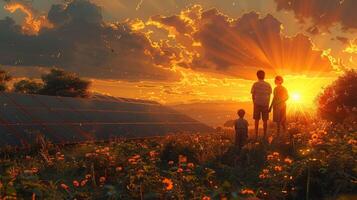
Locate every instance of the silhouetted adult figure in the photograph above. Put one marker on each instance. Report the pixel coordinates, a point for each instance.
(261, 91)
(278, 105)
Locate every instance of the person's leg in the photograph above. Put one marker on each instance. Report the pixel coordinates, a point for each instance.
(283, 124)
(265, 127)
(256, 127)
(277, 129)
(265, 117)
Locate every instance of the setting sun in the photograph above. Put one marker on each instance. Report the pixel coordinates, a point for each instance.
(296, 97)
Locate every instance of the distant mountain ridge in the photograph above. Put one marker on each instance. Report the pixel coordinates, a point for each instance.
(214, 113)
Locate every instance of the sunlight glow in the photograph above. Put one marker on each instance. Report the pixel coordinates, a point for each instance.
(296, 97)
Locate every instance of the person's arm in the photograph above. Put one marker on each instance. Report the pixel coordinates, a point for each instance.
(272, 102)
(253, 92)
(286, 95)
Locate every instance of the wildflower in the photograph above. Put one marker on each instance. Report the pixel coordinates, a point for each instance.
(169, 184)
(190, 165)
(34, 170)
(88, 176)
(75, 183)
(182, 159)
(352, 141)
(270, 157)
(288, 160)
(152, 153)
(247, 191)
(64, 186)
(314, 136)
(118, 169)
(180, 170)
(171, 162)
(84, 182)
(278, 168)
(206, 198)
(276, 154)
(262, 176)
(102, 179)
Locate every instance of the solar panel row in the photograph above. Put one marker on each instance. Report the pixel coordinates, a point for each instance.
(65, 120)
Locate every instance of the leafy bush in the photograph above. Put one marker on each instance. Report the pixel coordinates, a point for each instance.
(61, 83)
(4, 79)
(338, 101)
(28, 86)
(319, 164)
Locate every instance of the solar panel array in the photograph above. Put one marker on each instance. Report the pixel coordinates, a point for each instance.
(66, 120)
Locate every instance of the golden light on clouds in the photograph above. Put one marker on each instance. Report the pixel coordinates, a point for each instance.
(32, 24)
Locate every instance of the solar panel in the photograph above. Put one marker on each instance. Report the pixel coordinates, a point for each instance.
(24, 117)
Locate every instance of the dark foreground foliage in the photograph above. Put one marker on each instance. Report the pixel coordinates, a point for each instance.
(318, 163)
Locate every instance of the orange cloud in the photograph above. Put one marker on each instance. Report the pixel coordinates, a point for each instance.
(211, 41)
(323, 13)
(32, 24)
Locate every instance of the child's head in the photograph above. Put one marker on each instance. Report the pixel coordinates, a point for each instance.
(279, 80)
(241, 113)
(261, 75)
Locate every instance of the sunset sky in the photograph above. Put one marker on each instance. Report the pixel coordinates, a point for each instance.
(182, 51)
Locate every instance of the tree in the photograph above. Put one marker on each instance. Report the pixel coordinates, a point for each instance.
(338, 101)
(4, 79)
(61, 83)
(28, 86)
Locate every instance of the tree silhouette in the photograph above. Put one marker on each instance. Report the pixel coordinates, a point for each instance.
(338, 101)
(61, 83)
(28, 86)
(4, 79)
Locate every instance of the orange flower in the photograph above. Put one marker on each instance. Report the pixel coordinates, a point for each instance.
(168, 183)
(247, 191)
(84, 182)
(288, 160)
(190, 165)
(314, 136)
(206, 198)
(102, 179)
(276, 154)
(182, 159)
(64, 186)
(34, 170)
(278, 168)
(75, 183)
(152, 153)
(262, 176)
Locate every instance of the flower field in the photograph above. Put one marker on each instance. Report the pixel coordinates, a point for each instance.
(315, 160)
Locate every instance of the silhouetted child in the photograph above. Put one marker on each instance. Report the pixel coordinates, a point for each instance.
(241, 128)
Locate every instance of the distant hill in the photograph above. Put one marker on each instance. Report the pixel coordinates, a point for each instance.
(214, 113)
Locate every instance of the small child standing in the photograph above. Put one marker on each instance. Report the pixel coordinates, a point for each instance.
(241, 128)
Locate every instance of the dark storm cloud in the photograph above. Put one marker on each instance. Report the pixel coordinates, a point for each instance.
(240, 46)
(81, 41)
(323, 13)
